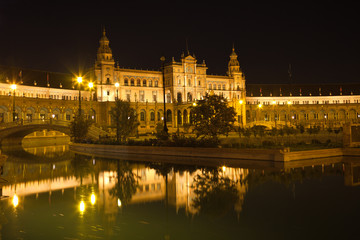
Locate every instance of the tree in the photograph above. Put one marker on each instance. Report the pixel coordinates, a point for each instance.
(124, 119)
(79, 128)
(212, 116)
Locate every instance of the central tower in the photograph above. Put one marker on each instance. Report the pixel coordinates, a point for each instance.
(104, 70)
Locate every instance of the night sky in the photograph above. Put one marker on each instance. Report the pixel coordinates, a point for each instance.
(321, 42)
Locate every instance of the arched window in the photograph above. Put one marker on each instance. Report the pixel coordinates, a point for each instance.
(179, 117)
(185, 116)
(144, 83)
(189, 97)
(138, 82)
(132, 82)
(168, 98)
(126, 82)
(156, 83)
(142, 116)
(168, 116)
(150, 83)
(179, 97)
(152, 116)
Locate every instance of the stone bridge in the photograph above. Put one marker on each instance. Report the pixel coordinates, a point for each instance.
(14, 132)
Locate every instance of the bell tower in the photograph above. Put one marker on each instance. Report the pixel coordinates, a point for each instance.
(104, 69)
(238, 91)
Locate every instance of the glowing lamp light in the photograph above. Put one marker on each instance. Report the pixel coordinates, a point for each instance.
(289, 103)
(223, 168)
(273, 102)
(92, 199)
(15, 200)
(117, 84)
(13, 86)
(194, 104)
(82, 206)
(79, 79)
(119, 202)
(91, 85)
(260, 105)
(241, 102)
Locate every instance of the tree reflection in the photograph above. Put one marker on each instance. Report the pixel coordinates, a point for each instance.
(82, 166)
(215, 193)
(126, 184)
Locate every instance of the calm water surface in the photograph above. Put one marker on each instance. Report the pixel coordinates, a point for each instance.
(51, 193)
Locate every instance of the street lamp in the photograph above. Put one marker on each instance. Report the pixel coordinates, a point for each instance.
(117, 90)
(79, 80)
(91, 85)
(13, 87)
(274, 110)
(162, 59)
(259, 107)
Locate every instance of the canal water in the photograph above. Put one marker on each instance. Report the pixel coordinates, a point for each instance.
(52, 193)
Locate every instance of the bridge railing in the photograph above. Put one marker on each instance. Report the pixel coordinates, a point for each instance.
(34, 122)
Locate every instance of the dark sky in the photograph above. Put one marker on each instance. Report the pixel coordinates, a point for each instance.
(320, 41)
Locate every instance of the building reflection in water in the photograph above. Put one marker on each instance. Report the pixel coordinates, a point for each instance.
(114, 184)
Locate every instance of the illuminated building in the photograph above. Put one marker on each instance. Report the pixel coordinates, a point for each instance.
(56, 95)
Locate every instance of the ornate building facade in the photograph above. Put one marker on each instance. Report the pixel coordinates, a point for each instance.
(180, 84)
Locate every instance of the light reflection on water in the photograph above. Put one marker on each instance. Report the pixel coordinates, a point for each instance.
(83, 197)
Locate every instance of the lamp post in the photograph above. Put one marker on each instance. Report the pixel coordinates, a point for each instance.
(13, 87)
(117, 90)
(91, 85)
(274, 110)
(241, 102)
(162, 59)
(259, 107)
(79, 80)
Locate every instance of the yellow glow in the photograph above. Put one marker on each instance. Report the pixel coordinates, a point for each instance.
(79, 79)
(117, 84)
(260, 105)
(223, 168)
(92, 199)
(91, 85)
(15, 200)
(194, 104)
(13, 86)
(289, 102)
(241, 102)
(119, 202)
(82, 206)
(273, 102)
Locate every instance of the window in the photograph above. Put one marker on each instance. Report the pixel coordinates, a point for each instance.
(142, 115)
(156, 83)
(152, 116)
(179, 97)
(144, 83)
(138, 82)
(150, 83)
(67, 117)
(224, 87)
(132, 82)
(141, 96)
(107, 80)
(126, 82)
(154, 95)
